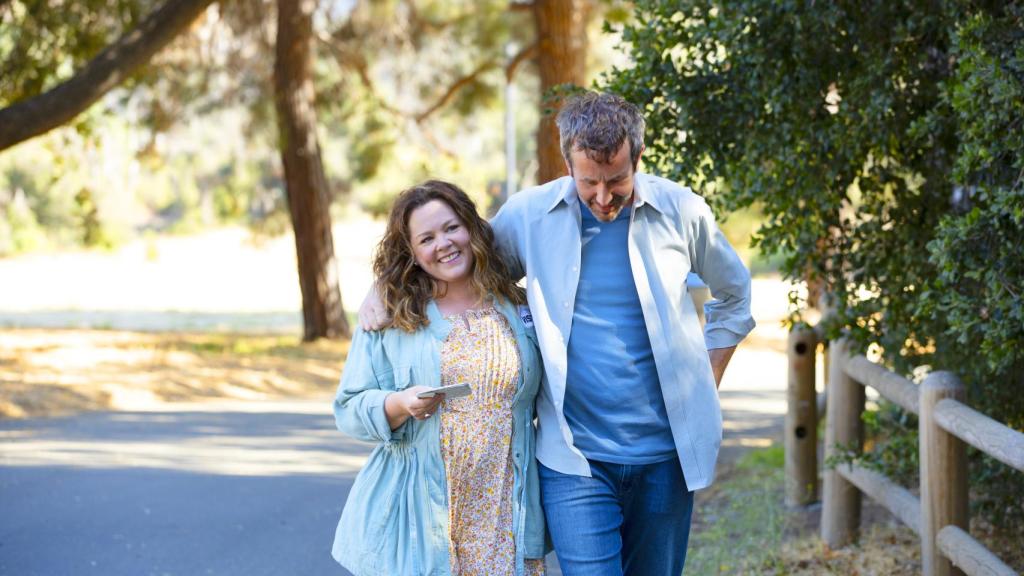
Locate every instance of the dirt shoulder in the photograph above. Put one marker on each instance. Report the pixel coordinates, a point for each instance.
(56, 372)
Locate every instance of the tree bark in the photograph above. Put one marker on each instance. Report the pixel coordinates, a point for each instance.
(59, 105)
(561, 59)
(305, 182)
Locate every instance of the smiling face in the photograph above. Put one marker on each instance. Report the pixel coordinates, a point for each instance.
(606, 188)
(440, 243)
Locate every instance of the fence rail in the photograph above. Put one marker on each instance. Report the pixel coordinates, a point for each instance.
(894, 497)
(969, 554)
(891, 385)
(985, 434)
(946, 426)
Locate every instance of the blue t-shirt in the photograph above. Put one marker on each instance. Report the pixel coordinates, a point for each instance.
(613, 402)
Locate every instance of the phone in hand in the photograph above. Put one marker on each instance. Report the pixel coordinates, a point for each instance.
(453, 391)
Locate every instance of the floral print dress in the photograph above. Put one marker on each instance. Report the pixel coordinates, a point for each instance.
(476, 436)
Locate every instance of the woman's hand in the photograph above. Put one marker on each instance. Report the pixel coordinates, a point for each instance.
(420, 408)
(400, 406)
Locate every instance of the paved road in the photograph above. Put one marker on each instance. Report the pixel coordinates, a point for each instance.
(200, 489)
(246, 489)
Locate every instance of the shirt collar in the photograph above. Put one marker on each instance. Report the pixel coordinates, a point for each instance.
(644, 195)
(438, 325)
(566, 192)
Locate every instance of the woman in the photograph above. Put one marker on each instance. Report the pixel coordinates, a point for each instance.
(452, 487)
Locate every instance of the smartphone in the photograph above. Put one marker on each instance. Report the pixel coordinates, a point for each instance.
(453, 391)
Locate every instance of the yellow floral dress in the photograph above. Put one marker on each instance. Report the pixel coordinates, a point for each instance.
(476, 437)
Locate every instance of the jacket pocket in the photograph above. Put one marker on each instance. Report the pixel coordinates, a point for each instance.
(405, 377)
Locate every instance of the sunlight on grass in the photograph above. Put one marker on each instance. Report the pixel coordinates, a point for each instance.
(52, 372)
(741, 523)
(742, 527)
(249, 345)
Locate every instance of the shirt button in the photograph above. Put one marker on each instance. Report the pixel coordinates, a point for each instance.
(574, 268)
(565, 304)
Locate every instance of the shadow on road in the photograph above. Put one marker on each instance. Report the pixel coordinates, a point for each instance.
(250, 490)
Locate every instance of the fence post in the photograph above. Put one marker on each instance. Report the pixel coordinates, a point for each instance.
(943, 473)
(823, 397)
(801, 432)
(840, 513)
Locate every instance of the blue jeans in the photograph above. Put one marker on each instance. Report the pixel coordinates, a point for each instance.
(625, 519)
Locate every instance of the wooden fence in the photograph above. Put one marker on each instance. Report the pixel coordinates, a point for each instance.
(946, 426)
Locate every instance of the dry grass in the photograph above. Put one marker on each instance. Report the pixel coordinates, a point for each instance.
(742, 527)
(883, 550)
(54, 372)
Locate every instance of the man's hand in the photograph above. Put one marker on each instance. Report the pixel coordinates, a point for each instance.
(719, 360)
(372, 314)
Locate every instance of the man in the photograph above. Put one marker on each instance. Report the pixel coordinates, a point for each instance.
(629, 420)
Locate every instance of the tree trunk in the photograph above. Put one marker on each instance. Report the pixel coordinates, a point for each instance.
(57, 106)
(561, 59)
(305, 182)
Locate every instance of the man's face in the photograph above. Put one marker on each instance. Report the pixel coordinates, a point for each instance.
(606, 188)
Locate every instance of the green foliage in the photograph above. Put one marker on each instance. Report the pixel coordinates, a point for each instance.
(895, 432)
(851, 124)
(809, 110)
(44, 41)
(92, 230)
(405, 90)
(974, 304)
(976, 250)
(892, 446)
(19, 230)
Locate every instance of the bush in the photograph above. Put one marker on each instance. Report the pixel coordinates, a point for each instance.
(853, 124)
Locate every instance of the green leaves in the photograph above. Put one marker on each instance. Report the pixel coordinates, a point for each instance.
(852, 124)
(43, 41)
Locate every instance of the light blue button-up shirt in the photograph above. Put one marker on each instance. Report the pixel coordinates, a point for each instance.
(672, 232)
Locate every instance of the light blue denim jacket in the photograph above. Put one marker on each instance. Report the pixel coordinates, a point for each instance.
(395, 521)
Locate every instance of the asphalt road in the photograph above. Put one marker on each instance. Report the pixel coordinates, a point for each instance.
(227, 488)
(247, 489)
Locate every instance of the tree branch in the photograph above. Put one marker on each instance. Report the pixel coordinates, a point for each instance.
(57, 106)
(420, 24)
(525, 54)
(357, 63)
(454, 88)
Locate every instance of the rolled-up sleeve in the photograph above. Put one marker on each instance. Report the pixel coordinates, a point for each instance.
(728, 315)
(366, 381)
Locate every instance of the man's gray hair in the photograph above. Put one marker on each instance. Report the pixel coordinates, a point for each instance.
(598, 124)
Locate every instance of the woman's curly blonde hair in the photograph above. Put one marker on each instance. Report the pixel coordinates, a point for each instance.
(405, 288)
